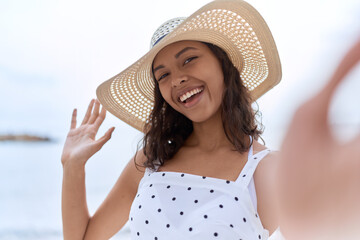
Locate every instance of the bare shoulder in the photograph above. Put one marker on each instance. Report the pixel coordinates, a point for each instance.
(134, 170)
(269, 161)
(258, 147)
(265, 190)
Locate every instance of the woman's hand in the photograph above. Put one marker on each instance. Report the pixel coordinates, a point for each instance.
(318, 178)
(80, 143)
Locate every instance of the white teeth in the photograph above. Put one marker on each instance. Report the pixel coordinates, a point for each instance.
(189, 94)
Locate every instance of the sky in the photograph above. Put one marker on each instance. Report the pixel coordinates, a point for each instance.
(54, 54)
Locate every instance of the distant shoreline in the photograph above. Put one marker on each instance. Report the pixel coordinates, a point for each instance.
(24, 138)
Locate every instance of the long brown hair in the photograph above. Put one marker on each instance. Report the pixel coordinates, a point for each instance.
(166, 130)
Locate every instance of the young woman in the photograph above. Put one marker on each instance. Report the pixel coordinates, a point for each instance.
(201, 174)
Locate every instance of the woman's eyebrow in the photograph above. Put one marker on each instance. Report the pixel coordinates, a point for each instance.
(176, 56)
(184, 50)
(157, 68)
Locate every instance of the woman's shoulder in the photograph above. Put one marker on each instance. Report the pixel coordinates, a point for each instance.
(134, 170)
(267, 165)
(258, 147)
(264, 185)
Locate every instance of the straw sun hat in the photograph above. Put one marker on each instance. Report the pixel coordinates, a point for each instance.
(233, 25)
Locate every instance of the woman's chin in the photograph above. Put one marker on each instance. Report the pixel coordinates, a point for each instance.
(201, 117)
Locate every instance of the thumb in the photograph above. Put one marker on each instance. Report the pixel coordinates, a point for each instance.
(106, 137)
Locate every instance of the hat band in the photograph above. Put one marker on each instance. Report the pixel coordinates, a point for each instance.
(159, 40)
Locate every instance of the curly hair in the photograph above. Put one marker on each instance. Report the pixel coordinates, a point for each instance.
(166, 130)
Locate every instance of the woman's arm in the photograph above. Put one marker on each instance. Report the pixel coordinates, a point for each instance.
(79, 146)
(113, 213)
(75, 213)
(265, 192)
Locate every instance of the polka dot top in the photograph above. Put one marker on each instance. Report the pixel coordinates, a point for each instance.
(175, 205)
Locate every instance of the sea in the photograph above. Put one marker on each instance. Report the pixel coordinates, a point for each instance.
(30, 189)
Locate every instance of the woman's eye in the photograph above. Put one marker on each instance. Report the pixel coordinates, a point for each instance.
(189, 60)
(162, 76)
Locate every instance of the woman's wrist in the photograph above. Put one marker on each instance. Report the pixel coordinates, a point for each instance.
(73, 165)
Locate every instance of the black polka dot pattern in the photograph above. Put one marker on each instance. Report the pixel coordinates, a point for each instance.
(169, 203)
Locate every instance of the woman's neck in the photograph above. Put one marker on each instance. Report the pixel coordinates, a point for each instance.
(210, 135)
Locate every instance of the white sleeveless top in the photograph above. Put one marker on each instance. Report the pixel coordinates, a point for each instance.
(174, 205)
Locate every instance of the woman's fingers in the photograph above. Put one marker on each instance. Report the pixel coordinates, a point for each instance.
(320, 103)
(330, 189)
(101, 141)
(95, 112)
(351, 58)
(88, 112)
(99, 120)
(73, 119)
(92, 113)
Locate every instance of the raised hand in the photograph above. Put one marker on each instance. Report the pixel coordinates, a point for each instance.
(318, 178)
(80, 143)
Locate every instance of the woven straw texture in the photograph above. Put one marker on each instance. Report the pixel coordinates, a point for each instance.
(233, 25)
(164, 29)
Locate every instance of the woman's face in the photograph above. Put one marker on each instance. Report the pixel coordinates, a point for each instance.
(190, 79)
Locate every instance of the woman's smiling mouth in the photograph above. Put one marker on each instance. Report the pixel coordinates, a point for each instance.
(189, 94)
(190, 97)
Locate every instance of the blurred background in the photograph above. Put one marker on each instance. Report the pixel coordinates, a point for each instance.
(54, 54)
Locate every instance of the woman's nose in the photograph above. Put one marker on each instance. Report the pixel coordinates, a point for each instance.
(178, 79)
